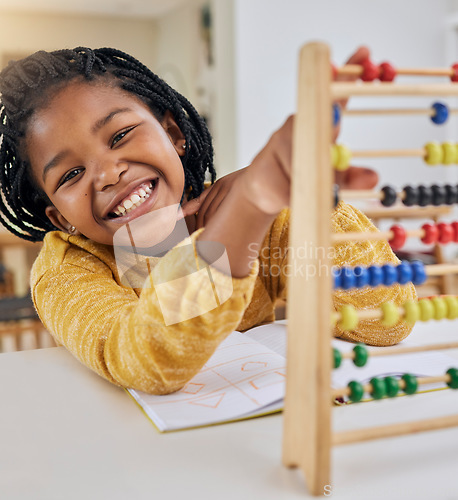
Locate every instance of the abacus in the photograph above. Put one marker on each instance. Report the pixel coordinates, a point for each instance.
(308, 436)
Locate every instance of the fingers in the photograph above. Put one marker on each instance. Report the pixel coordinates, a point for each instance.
(192, 206)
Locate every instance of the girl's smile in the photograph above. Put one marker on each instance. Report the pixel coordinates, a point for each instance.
(103, 159)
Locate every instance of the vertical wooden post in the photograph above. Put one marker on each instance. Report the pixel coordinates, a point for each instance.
(307, 415)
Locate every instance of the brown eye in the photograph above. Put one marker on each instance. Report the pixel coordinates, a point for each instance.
(119, 136)
(69, 175)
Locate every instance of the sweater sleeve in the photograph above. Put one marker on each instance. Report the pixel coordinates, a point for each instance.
(347, 219)
(127, 338)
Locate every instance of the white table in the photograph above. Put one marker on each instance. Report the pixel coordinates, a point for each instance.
(67, 434)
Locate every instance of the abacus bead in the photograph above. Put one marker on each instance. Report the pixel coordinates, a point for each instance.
(335, 115)
(446, 233)
(452, 307)
(370, 71)
(424, 196)
(391, 386)
(378, 390)
(390, 314)
(411, 311)
(336, 195)
(361, 355)
(426, 310)
(438, 195)
(356, 391)
(449, 153)
(404, 273)
(349, 318)
(334, 155)
(334, 317)
(337, 356)
(454, 76)
(440, 113)
(399, 237)
(410, 197)
(431, 233)
(375, 275)
(434, 154)
(440, 308)
(337, 274)
(343, 157)
(389, 196)
(387, 72)
(418, 272)
(453, 373)
(411, 383)
(451, 194)
(390, 274)
(362, 276)
(348, 278)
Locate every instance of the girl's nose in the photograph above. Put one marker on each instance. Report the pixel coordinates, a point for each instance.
(108, 174)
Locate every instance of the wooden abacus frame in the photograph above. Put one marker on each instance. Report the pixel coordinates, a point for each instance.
(308, 437)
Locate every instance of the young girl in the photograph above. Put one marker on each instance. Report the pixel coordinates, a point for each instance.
(91, 142)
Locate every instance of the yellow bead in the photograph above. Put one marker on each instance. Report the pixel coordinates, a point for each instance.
(390, 314)
(452, 306)
(343, 157)
(440, 308)
(411, 311)
(333, 319)
(426, 310)
(449, 152)
(349, 317)
(434, 154)
(334, 155)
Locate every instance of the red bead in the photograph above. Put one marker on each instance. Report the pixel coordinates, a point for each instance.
(399, 237)
(446, 233)
(455, 231)
(387, 72)
(431, 233)
(454, 76)
(333, 72)
(370, 71)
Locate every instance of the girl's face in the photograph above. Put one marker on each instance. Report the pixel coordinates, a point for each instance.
(103, 159)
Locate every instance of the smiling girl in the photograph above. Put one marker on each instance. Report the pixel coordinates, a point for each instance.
(92, 142)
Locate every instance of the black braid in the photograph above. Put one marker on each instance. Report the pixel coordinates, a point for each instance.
(27, 85)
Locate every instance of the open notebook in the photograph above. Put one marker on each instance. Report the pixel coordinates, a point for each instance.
(245, 378)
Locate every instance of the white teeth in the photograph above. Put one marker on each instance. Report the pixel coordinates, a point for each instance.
(121, 209)
(128, 204)
(142, 193)
(135, 199)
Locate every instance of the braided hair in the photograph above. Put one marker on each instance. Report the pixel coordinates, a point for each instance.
(28, 85)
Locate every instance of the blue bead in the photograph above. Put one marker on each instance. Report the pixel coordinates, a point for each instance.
(348, 278)
(375, 275)
(440, 113)
(337, 278)
(335, 115)
(418, 272)
(362, 276)
(390, 274)
(404, 273)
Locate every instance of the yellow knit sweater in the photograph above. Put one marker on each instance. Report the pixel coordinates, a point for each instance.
(119, 332)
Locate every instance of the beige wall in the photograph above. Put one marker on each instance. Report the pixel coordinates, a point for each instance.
(27, 33)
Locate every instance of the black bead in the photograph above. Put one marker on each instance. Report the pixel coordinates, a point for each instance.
(425, 196)
(438, 193)
(389, 197)
(410, 196)
(336, 195)
(451, 194)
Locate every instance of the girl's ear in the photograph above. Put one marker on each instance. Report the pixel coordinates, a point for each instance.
(59, 220)
(174, 132)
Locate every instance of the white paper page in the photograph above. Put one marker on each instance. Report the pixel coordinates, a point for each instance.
(240, 379)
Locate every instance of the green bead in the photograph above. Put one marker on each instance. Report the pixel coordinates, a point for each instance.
(426, 310)
(349, 317)
(440, 308)
(391, 386)
(452, 307)
(411, 311)
(390, 314)
(453, 372)
(356, 391)
(378, 388)
(361, 354)
(337, 357)
(411, 383)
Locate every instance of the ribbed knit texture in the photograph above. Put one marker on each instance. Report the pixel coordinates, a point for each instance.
(120, 332)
